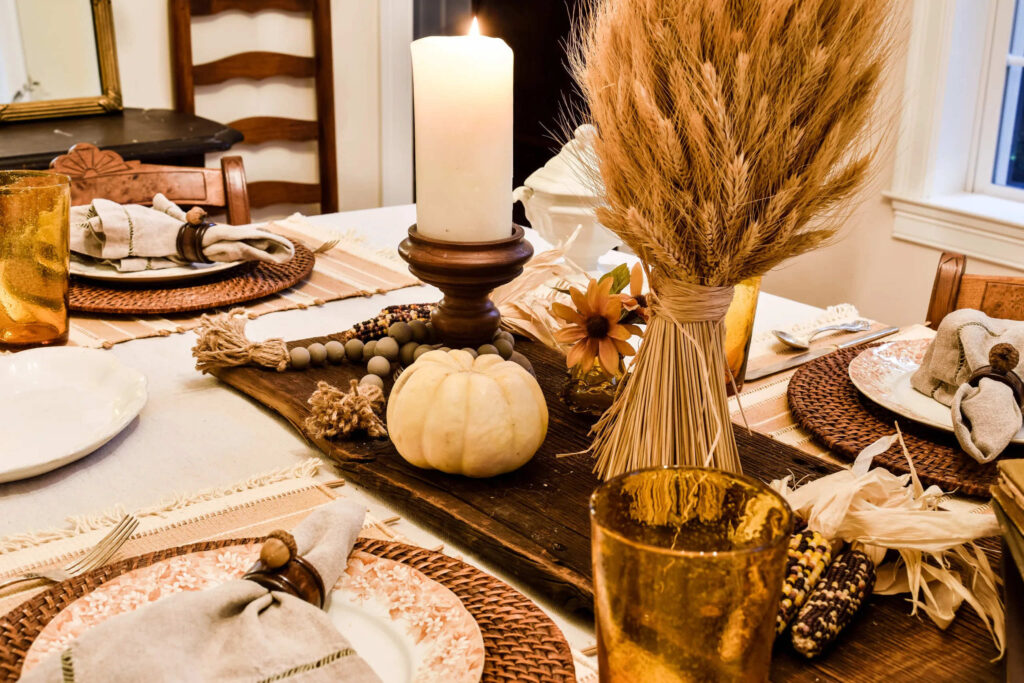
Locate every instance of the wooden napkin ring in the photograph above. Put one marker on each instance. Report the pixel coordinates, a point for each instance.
(281, 568)
(190, 236)
(1002, 358)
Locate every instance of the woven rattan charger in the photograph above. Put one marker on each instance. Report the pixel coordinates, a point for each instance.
(521, 642)
(824, 401)
(248, 282)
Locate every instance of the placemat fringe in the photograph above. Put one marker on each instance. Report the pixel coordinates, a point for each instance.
(85, 523)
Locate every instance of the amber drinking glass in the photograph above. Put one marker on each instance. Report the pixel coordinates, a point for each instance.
(688, 569)
(34, 254)
(739, 327)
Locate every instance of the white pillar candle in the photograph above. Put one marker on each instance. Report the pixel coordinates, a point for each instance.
(462, 87)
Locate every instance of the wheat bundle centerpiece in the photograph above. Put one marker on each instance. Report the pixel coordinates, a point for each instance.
(732, 135)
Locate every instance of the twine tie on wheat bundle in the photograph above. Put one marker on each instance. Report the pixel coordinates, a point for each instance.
(684, 419)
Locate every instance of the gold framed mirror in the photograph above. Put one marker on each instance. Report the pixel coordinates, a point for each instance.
(57, 58)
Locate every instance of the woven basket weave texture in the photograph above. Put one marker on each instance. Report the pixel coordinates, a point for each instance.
(824, 401)
(248, 282)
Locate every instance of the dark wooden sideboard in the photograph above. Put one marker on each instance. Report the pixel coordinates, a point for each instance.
(159, 136)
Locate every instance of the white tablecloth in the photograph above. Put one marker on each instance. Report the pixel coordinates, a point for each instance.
(196, 433)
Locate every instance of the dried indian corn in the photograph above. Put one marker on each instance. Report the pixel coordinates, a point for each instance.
(808, 556)
(833, 602)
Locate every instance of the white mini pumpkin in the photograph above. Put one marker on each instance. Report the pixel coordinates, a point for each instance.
(477, 417)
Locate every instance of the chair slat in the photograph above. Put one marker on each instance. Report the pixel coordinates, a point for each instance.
(996, 296)
(255, 66)
(206, 7)
(267, 192)
(257, 129)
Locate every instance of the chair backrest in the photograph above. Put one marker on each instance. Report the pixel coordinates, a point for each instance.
(103, 173)
(994, 295)
(258, 66)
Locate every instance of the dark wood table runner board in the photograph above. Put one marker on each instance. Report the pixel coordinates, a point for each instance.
(534, 524)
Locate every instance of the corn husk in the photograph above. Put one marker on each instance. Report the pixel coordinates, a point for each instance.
(936, 561)
(525, 303)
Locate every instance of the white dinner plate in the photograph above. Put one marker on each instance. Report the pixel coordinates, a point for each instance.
(882, 373)
(106, 273)
(405, 626)
(60, 404)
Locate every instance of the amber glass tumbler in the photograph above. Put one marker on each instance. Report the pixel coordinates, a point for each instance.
(34, 254)
(688, 569)
(739, 327)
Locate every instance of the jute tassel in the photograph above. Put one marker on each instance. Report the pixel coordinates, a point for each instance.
(672, 408)
(222, 343)
(334, 412)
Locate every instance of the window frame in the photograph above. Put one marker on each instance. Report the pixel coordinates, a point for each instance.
(994, 99)
(934, 194)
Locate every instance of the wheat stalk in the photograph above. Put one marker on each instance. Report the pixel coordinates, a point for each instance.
(732, 135)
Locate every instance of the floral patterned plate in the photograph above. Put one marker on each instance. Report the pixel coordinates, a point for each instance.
(882, 373)
(404, 625)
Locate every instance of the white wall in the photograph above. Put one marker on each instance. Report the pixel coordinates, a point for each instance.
(12, 57)
(887, 279)
(144, 59)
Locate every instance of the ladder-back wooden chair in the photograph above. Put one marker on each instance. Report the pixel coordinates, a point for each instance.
(97, 173)
(258, 66)
(993, 295)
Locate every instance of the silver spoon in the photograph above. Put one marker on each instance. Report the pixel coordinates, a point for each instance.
(805, 343)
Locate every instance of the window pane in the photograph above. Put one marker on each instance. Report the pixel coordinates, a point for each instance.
(1009, 164)
(1009, 168)
(1017, 41)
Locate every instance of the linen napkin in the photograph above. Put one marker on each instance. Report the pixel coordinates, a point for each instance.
(238, 631)
(132, 237)
(986, 417)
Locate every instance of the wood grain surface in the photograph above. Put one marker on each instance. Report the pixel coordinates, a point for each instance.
(534, 524)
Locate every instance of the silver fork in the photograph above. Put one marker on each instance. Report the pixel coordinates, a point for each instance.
(96, 557)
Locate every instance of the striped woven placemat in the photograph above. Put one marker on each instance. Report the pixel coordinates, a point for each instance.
(764, 402)
(350, 268)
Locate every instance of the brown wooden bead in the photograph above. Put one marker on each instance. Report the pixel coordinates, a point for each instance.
(1003, 357)
(275, 553)
(195, 215)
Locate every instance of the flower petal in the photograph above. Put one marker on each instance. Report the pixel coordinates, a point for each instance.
(633, 330)
(619, 332)
(566, 313)
(589, 355)
(592, 304)
(579, 300)
(575, 354)
(612, 309)
(636, 280)
(624, 347)
(609, 356)
(570, 334)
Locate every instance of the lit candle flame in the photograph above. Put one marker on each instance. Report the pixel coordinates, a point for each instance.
(474, 28)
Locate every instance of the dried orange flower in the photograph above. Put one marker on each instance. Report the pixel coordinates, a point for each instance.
(594, 329)
(636, 300)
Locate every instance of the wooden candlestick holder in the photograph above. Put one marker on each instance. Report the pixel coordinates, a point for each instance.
(466, 272)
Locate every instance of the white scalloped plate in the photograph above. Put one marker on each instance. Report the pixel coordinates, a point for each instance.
(60, 404)
(105, 273)
(882, 373)
(404, 625)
